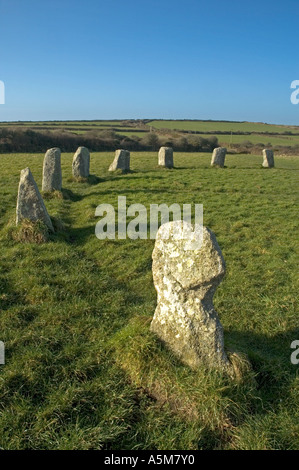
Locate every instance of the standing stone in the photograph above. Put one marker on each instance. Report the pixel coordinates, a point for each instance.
(30, 204)
(185, 281)
(268, 158)
(165, 157)
(52, 178)
(121, 161)
(218, 156)
(81, 162)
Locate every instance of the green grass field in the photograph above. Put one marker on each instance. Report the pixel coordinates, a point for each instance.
(82, 369)
(222, 126)
(275, 140)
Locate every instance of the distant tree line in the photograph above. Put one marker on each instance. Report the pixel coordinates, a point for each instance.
(28, 140)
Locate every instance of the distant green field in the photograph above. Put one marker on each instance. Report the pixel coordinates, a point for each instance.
(211, 126)
(82, 369)
(204, 126)
(228, 139)
(119, 132)
(78, 127)
(258, 138)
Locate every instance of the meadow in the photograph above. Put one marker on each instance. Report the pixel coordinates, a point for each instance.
(223, 126)
(83, 370)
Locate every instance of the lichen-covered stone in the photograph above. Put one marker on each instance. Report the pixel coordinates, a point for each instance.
(218, 156)
(52, 178)
(30, 204)
(268, 158)
(121, 161)
(185, 281)
(81, 162)
(165, 157)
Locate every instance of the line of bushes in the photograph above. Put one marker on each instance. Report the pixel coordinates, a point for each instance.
(20, 140)
(28, 140)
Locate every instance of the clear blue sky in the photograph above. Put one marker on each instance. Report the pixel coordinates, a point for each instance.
(170, 59)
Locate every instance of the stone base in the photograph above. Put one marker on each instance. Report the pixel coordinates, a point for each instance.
(81, 162)
(52, 178)
(218, 157)
(30, 204)
(165, 157)
(268, 158)
(121, 161)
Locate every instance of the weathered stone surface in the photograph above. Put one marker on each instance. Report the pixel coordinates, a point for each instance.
(165, 157)
(218, 156)
(81, 162)
(30, 204)
(52, 178)
(268, 158)
(185, 281)
(121, 161)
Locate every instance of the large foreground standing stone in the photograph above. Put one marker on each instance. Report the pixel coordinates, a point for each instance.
(165, 157)
(268, 158)
(185, 281)
(30, 204)
(121, 161)
(81, 162)
(52, 179)
(218, 156)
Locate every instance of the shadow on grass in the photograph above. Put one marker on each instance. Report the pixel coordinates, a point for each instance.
(78, 236)
(270, 358)
(192, 168)
(126, 176)
(119, 172)
(69, 195)
(91, 180)
(166, 168)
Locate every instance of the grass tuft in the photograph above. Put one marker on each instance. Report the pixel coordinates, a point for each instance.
(58, 224)
(30, 232)
(47, 195)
